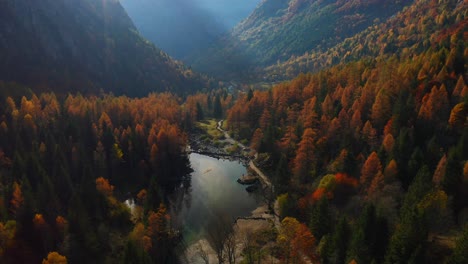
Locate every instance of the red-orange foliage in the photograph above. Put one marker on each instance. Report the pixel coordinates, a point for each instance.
(308, 115)
(370, 168)
(345, 179)
(304, 242)
(265, 119)
(55, 258)
(103, 186)
(439, 173)
(61, 223)
(388, 127)
(369, 134)
(356, 123)
(381, 109)
(327, 106)
(461, 89)
(39, 221)
(391, 170)
(459, 116)
(141, 196)
(158, 222)
(320, 192)
(376, 185)
(305, 156)
(17, 198)
(295, 240)
(434, 104)
(388, 143)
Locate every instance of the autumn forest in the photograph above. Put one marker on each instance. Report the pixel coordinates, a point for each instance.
(358, 148)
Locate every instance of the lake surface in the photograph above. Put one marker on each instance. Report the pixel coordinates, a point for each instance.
(213, 190)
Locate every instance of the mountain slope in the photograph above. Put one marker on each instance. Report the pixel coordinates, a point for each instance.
(383, 137)
(181, 27)
(82, 46)
(418, 27)
(279, 29)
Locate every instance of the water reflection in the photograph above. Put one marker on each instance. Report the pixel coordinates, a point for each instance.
(213, 189)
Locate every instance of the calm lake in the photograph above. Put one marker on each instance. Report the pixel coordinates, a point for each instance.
(213, 190)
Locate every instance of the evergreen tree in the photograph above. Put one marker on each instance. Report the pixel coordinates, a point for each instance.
(217, 108)
(341, 238)
(200, 114)
(320, 220)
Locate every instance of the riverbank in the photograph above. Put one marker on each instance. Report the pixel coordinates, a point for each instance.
(245, 230)
(261, 221)
(209, 139)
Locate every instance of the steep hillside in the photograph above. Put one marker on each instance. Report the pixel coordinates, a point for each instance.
(418, 27)
(181, 27)
(372, 155)
(280, 29)
(82, 46)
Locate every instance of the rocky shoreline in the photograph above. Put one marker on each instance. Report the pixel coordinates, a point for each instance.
(261, 218)
(200, 143)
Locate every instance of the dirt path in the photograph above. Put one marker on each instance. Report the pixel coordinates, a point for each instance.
(265, 180)
(227, 137)
(252, 165)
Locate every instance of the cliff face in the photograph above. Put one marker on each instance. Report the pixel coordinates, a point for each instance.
(86, 45)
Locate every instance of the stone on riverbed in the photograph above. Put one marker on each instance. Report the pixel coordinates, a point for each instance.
(247, 180)
(252, 188)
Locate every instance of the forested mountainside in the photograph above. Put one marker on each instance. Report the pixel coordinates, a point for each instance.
(417, 27)
(67, 165)
(364, 159)
(372, 155)
(278, 29)
(182, 27)
(87, 45)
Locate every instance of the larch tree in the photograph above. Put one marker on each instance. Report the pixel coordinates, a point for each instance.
(17, 199)
(104, 187)
(459, 88)
(295, 240)
(305, 156)
(370, 168)
(369, 134)
(388, 143)
(459, 116)
(439, 173)
(327, 106)
(257, 139)
(382, 108)
(55, 258)
(391, 171)
(434, 105)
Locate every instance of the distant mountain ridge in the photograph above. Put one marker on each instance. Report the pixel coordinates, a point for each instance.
(278, 30)
(86, 45)
(181, 27)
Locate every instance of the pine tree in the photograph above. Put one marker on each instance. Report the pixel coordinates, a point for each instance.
(217, 108)
(341, 238)
(320, 219)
